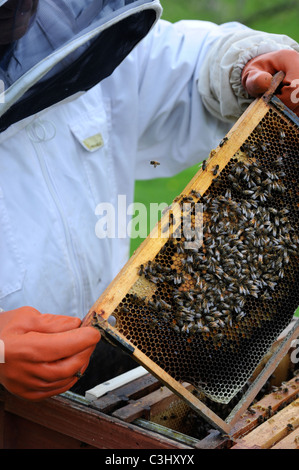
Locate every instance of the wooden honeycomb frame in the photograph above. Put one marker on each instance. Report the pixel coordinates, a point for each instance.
(129, 281)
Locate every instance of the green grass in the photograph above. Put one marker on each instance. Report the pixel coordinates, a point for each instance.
(274, 16)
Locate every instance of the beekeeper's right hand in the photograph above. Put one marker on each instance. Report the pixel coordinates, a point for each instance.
(43, 354)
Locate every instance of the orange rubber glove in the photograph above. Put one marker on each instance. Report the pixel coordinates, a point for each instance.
(43, 352)
(257, 75)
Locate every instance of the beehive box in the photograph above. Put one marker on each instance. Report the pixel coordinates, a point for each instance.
(216, 282)
(271, 420)
(144, 414)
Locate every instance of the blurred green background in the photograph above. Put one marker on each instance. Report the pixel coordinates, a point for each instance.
(275, 16)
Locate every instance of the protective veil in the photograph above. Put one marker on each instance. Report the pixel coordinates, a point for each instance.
(68, 47)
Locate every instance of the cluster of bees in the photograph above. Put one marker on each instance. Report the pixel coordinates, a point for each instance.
(247, 243)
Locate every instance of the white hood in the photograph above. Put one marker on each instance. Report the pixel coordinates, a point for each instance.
(69, 47)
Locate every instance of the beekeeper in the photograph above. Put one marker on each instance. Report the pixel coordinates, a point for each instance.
(93, 91)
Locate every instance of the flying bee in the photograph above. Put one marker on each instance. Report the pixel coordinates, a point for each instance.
(154, 163)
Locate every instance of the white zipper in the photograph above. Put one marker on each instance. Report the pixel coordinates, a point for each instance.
(38, 134)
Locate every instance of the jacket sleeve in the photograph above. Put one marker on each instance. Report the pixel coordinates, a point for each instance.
(219, 81)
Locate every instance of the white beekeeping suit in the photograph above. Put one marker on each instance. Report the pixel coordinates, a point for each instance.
(94, 91)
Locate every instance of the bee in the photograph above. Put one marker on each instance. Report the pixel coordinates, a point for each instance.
(196, 193)
(152, 304)
(259, 129)
(154, 163)
(176, 328)
(228, 194)
(263, 147)
(205, 329)
(215, 170)
(219, 336)
(209, 319)
(270, 411)
(290, 427)
(260, 419)
(223, 141)
(204, 165)
(141, 270)
(172, 218)
(153, 323)
(165, 305)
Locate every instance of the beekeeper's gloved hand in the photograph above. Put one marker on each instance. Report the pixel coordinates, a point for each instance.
(257, 75)
(43, 354)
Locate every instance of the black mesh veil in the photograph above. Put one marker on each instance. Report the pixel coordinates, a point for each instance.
(52, 49)
(15, 19)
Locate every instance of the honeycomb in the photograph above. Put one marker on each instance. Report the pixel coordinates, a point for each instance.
(175, 417)
(208, 312)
